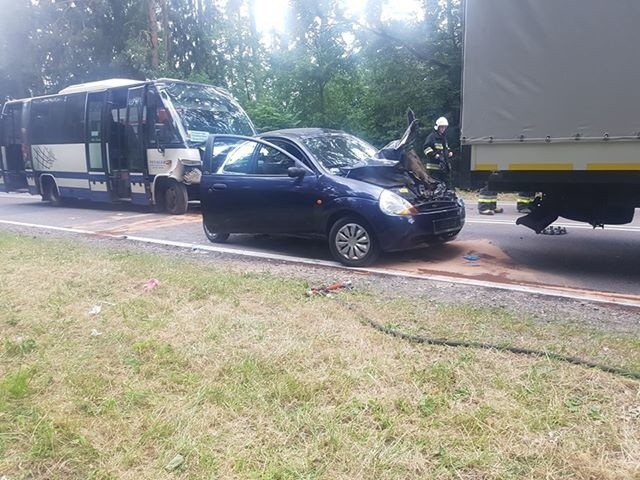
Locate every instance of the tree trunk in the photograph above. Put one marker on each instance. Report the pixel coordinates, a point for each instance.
(153, 33)
(255, 51)
(167, 36)
(450, 23)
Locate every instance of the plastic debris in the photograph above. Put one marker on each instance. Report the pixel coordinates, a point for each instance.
(174, 463)
(551, 230)
(150, 284)
(95, 310)
(472, 257)
(95, 333)
(327, 290)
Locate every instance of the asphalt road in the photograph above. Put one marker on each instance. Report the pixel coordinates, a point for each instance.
(598, 260)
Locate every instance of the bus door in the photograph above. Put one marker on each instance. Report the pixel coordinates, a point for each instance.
(117, 161)
(3, 187)
(136, 150)
(96, 147)
(14, 175)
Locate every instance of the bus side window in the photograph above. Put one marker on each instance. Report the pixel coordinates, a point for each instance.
(161, 127)
(73, 125)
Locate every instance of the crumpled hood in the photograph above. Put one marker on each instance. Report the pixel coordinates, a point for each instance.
(388, 174)
(383, 173)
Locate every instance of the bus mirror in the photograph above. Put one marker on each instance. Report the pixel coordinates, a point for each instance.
(159, 147)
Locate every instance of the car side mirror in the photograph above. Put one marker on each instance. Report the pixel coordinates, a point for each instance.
(296, 172)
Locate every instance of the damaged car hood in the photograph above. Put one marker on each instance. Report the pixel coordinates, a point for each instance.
(390, 175)
(384, 173)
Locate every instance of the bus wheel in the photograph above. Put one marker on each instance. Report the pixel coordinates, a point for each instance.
(176, 198)
(50, 192)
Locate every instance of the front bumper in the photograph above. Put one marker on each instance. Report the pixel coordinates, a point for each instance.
(404, 232)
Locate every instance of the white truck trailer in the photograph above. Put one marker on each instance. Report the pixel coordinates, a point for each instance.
(551, 104)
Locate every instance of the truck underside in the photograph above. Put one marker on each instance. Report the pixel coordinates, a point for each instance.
(597, 198)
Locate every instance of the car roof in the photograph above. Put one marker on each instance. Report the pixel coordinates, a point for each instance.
(298, 133)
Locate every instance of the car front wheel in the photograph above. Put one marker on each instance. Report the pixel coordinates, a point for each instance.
(353, 243)
(214, 237)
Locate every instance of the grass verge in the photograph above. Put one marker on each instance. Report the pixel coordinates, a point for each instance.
(224, 374)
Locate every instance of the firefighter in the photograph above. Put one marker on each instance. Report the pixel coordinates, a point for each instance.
(524, 201)
(488, 202)
(436, 149)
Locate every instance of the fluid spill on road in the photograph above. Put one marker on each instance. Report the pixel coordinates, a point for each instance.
(492, 263)
(151, 224)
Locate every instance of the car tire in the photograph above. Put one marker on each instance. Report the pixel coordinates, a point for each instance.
(176, 199)
(214, 237)
(353, 243)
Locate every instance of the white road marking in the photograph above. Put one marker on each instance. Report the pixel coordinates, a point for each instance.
(20, 195)
(617, 228)
(591, 296)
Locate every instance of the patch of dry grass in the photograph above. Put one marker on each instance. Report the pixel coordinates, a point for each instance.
(245, 377)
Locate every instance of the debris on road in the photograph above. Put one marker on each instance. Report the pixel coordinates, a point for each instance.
(327, 290)
(551, 230)
(174, 463)
(150, 284)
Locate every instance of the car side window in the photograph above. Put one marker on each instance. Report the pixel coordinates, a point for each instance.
(290, 148)
(240, 159)
(272, 162)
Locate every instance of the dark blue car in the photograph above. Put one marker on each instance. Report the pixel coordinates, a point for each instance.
(318, 181)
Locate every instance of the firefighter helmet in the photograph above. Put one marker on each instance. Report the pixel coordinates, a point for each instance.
(441, 122)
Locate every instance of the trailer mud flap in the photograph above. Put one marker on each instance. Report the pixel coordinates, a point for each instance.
(537, 221)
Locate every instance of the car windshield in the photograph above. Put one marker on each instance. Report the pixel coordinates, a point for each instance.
(339, 150)
(204, 110)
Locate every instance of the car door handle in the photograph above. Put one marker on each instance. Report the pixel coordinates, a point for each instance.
(218, 186)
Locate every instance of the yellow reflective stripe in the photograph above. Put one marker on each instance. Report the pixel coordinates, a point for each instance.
(613, 166)
(433, 166)
(490, 167)
(438, 146)
(428, 150)
(540, 166)
(487, 200)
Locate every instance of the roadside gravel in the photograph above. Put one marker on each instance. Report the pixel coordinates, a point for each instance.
(541, 308)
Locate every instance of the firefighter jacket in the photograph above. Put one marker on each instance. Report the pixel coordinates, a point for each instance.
(436, 144)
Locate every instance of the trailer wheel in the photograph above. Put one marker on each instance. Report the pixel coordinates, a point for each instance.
(176, 199)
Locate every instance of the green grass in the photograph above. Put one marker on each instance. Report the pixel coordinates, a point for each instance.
(245, 377)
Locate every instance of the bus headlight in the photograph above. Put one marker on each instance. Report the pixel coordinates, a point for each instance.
(393, 204)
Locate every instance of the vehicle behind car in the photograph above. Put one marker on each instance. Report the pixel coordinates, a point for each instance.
(326, 182)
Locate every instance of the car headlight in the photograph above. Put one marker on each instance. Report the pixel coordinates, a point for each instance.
(392, 204)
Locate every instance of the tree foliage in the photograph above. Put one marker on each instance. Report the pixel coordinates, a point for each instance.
(327, 68)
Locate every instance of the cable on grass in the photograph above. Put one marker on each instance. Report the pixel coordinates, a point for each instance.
(488, 346)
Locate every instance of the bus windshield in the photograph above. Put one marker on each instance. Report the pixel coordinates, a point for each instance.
(204, 110)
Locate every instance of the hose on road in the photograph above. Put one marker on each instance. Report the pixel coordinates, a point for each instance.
(487, 346)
